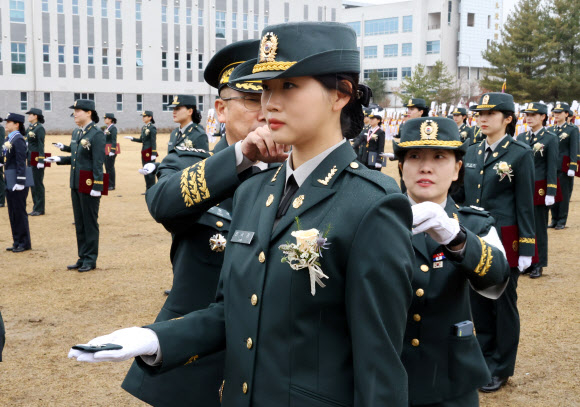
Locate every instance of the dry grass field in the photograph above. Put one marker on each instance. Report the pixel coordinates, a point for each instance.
(47, 308)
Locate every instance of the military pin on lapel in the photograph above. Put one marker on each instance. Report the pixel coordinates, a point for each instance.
(270, 200)
(298, 202)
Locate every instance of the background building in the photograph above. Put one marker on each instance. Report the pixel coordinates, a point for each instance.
(127, 55)
(396, 36)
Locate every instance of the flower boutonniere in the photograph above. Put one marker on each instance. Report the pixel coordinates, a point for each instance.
(563, 136)
(503, 169)
(107, 132)
(86, 144)
(539, 147)
(374, 137)
(31, 134)
(7, 146)
(306, 252)
(146, 131)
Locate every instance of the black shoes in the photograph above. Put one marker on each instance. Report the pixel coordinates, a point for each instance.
(552, 225)
(9, 249)
(527, 271)
(536, 272)
(20, 249)
(86, 268)
(35, 213)
(74, 266)
(112, 189)
(1, 205)
(167, 292)
(495, 384)
(559, 227)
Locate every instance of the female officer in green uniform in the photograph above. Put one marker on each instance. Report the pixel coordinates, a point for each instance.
(499, 177)
(189, 132)
(35, 137)
(300, 329)
(111, 139)
(372, 143)
(149, 140)
(454, 248)
(2, 183)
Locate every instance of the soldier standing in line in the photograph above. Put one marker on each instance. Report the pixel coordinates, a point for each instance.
(460, 118)
(35, 135)
(149, 149)
(371, 143)
(111, 146)
(185, 114)
(2, 183)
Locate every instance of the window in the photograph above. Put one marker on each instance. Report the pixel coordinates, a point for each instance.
(104, 8)
(200, 17)
(164, 59)
(60, 6)
(46, 53)
(245, 22)
(256, 27)
(47, 102)
(139, 57)
(449, 10)
(61, 54)
(391, 50)
(406, 72)
(119, 57)
(234, 21)
(45, 6)
(91, 55)
(266, 19)
(118, 9)
(188, 16)
(355, 26)
(389, 74)
(382, 26)
(488, 22)
(166, 102)
(200, 62)
(470, 19)
(176, 60)
(75, 7)
(138, 11)
(407, 24)
(200, 103)
(18, 58)
(220, 24)
(188, 60)
(90, 8)
(406, 49)
(105, 56)
(176, 15)
(119, 102)
(433, 47)
(89, 96)
(23, 101)
(17, 11)
(76, 55)
(139, 103)
(163, 14)
(371, 51)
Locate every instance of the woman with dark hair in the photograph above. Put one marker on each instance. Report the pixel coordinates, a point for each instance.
(110, 148)
(311, 306)
(455, 248)
(190, 134)
(417, 107)
(499, 177)
(371, 143)
(35, 137)
(149, 149)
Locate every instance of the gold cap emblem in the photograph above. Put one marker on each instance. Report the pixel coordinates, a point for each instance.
(268, 47)
(558, 106)
(429, 130)
(485, 100)
(75, 105)
(175, 100)
(410, 102)
(531, 106)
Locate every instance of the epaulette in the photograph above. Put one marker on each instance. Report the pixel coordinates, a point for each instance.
(387, 183)
(475, 210)
(522, 144)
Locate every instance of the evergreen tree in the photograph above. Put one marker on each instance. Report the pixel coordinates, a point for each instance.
(432, 84)
(378, 86)
(416, 86)
(443, 84)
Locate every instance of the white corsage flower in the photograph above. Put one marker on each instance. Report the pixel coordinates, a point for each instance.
(7, 146)
(31, 134)
(86, 144)
(503, 169)
(539, 147)
(146, 131)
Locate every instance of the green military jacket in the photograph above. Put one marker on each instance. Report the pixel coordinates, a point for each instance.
(35, 135)
(465, 132)
(476, 136)
(111, 138)
(285, 346)
(195, 137)
(148, 138)
(375, 145)
(509, 199)
(440, 365)
(568, 144)
(2, 139)
(87, 150)
(545, 148)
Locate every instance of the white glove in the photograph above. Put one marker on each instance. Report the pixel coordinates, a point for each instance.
(378, 165)
(571, 173)
(135, 342)
(153, 157)
(111, 154)
(59, 145)
(17, 187)
(54, 159)
(147, 169)
(95, 193)
(524, 262)
(129, 137)
(432, 219)
(40, 166)
(1, 165)
(549, 200)
(390, 156)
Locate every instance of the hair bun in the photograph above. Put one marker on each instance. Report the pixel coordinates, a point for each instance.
(364, 94)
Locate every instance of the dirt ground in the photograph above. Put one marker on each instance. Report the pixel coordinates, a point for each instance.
(47, 308)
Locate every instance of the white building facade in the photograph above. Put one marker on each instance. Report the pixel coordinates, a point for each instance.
(127, 55)
(396, 36)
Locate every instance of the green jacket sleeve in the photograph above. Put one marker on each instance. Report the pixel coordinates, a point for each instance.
(574, 141)
(98, 155)
(201, 141)
(524, 197)
(114, 139)
(140, 138)
(64, 160)
(552, 165)
(153, 136)
(40, 136)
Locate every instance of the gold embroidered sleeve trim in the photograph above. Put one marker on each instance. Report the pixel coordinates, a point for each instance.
(552, 186)
(481, 266)
(527, 240)
(193, 184)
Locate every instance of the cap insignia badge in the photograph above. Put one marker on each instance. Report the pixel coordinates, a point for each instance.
(268, 47)
(429, 130)
(485, 100)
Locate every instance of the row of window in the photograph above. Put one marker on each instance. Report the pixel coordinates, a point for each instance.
(383, 26)
(47, 98)
(392, 50)
(75, 8)
(388, 74)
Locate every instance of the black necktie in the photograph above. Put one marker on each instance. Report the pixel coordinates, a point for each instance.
(291, 188)
(488, 152)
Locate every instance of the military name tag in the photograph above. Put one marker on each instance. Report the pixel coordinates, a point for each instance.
(243, 237)
(219, 212)
(470, 165)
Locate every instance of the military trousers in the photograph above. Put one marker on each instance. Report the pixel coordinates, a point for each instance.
(497, 326)
(541, 219)
(86, 214)
(18, 217)
(149, 178)
(38, 189)
(560, 209)
(2, 187)
(470, 399)
(110, 169)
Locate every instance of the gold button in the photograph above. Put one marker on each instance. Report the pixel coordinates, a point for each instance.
(415, 342)
(420, 292)
(424, 268)
(481, 172)
(245, 387)
(249, 343)
(262, 257)
(416, 317)
(477, 201)
(254, 300)
(479, 185)
(219, 223)
(354, 165)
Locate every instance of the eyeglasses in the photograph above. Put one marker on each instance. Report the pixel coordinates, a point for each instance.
(251, 104)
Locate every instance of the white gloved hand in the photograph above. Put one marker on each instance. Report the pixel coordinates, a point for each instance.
(549, 200)
(432, 219)
(54, 159)
(135, 342)
(153, 157)
(378, 165)
(18, 187)
(524, 262)
(111, 154)
(1, 165)
(40, 166)
(129, 137)
(571, 173)
(390, 156)
(147, 169)
(59, 145)
(95, 193)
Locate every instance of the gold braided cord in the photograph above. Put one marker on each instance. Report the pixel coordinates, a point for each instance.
(424, 143)
(552, 186)
(249, 86)
(487, 263)
(527, 240)
(483, 256)
(272, 66)
(485, 106)
(202, 185)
